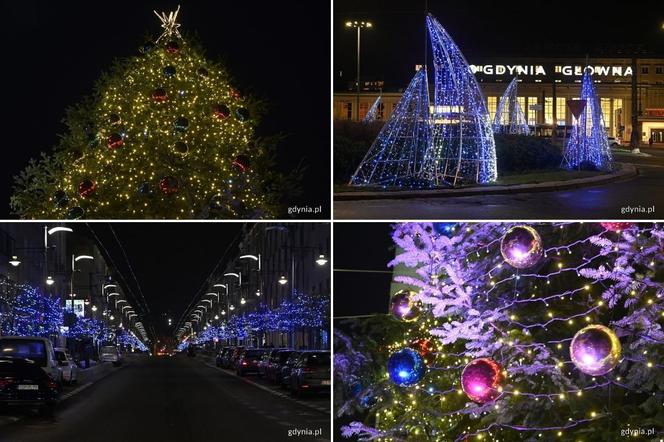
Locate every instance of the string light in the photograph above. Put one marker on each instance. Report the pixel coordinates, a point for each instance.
(509, 118)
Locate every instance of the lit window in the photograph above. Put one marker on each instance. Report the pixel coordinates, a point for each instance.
(492, 105)
(560, 111)
(532, 113)
(548, 110)
(645, 69)
(606, 111)
(659, 70)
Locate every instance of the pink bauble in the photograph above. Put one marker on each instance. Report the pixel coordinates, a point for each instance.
(481, 380)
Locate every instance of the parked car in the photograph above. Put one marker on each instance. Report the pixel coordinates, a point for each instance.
(110, 353)
(277, 360)
(37, 349)
(248, 361)
(67, 366)
(233, 357)
(218, 361)
(265, 360)
(311, 372)
(23, 382)
(614, 142)
(287, 367)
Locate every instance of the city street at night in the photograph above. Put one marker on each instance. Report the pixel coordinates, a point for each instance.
(173, 399)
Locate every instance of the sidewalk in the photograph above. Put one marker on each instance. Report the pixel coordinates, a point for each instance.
(626, 171)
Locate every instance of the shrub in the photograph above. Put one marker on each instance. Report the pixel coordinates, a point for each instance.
(352, 141)
(518, 153)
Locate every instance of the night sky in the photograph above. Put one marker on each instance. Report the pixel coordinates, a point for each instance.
(170, 260)
(362, 246)
(395, 44)
(53, 52)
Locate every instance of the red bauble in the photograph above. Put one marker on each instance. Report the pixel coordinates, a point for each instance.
(221, 111)
(159, 95)
(425, 348)
(87, 188)
(172, 47)
(115, 140)
(242, 162)
(481, 380)
(169, 185)
(616, 227)
(235, 94)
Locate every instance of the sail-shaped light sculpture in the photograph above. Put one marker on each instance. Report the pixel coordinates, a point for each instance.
(509, 118)
(395, 157)
(588, 145)
(371, 115)
(462, 149)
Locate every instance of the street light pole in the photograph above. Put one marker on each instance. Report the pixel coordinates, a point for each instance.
(358, 25)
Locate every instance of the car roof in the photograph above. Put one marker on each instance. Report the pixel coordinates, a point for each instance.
(17, 360)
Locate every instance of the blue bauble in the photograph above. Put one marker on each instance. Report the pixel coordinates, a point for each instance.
(406, 367)
(446, 229)
(169, 71)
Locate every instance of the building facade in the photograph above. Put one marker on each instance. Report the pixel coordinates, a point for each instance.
(545, 87)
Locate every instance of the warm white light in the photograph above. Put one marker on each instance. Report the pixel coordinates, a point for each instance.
(232, 307)
(15, 261)
(243, 301)
(53, 230)
(94, 308)
(254, 257)
(258, 292)
(283, 280)
(232, 274)
(112, 317)
(50, 280)
(322, 260)
(80, 257)
(216, 316)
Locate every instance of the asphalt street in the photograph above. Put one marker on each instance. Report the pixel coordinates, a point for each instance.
(608, 201)
(173, 399)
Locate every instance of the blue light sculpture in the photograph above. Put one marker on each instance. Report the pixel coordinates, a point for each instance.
(395, 157)
(510, 118)
(588, 146)
(462, 147)
(371, 115)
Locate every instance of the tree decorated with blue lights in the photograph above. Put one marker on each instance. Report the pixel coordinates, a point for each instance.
(588, 146)
(509, 118)
(372, 113)
(512, 332)
(462, 147)
(27, 311)
(395, 157)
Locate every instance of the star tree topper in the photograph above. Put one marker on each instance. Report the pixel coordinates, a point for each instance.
(169, 23)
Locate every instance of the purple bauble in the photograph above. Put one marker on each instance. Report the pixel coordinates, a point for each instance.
(481, 380)
(403, 307)
(521, 247)
(595, 350)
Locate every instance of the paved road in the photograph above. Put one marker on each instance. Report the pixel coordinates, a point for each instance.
(171, 399)
(605, 201)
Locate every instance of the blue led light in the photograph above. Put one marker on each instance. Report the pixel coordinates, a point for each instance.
(509, 118)
(588, 146)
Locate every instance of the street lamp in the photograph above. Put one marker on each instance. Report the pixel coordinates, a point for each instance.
(49, 280)
(53, 230)
(15, 262)
(359, 25)
(243, 301)
(322, 260)
(94, 308)
(283, 280)
(254, 257)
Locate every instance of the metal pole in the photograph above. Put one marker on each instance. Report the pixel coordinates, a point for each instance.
(357, 103)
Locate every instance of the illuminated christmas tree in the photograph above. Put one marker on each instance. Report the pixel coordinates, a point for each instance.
(164, 136)
(508, 332)
(395, 157)
(462, 149)
(372, 113)
(588, 146)
(509, 117)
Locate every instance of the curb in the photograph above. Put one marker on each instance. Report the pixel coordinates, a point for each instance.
(627, 171)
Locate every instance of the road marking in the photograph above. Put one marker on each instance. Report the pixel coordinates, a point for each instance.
(269, 390)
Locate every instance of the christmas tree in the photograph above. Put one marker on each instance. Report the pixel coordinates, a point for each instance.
(508, 332)
(509, 118)
(164, 136)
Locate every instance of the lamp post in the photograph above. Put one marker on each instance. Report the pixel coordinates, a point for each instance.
(359, 25)
(74, 260)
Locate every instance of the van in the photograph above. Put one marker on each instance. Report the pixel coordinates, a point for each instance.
(37, 349)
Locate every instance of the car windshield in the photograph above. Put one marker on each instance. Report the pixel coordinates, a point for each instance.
(318, 360)
(24, 348)
(253, 353)
(107, 350)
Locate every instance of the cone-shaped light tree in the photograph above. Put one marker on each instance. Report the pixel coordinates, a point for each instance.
(164, 136)
(588, 145)
(510, 118)
(515, 332)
